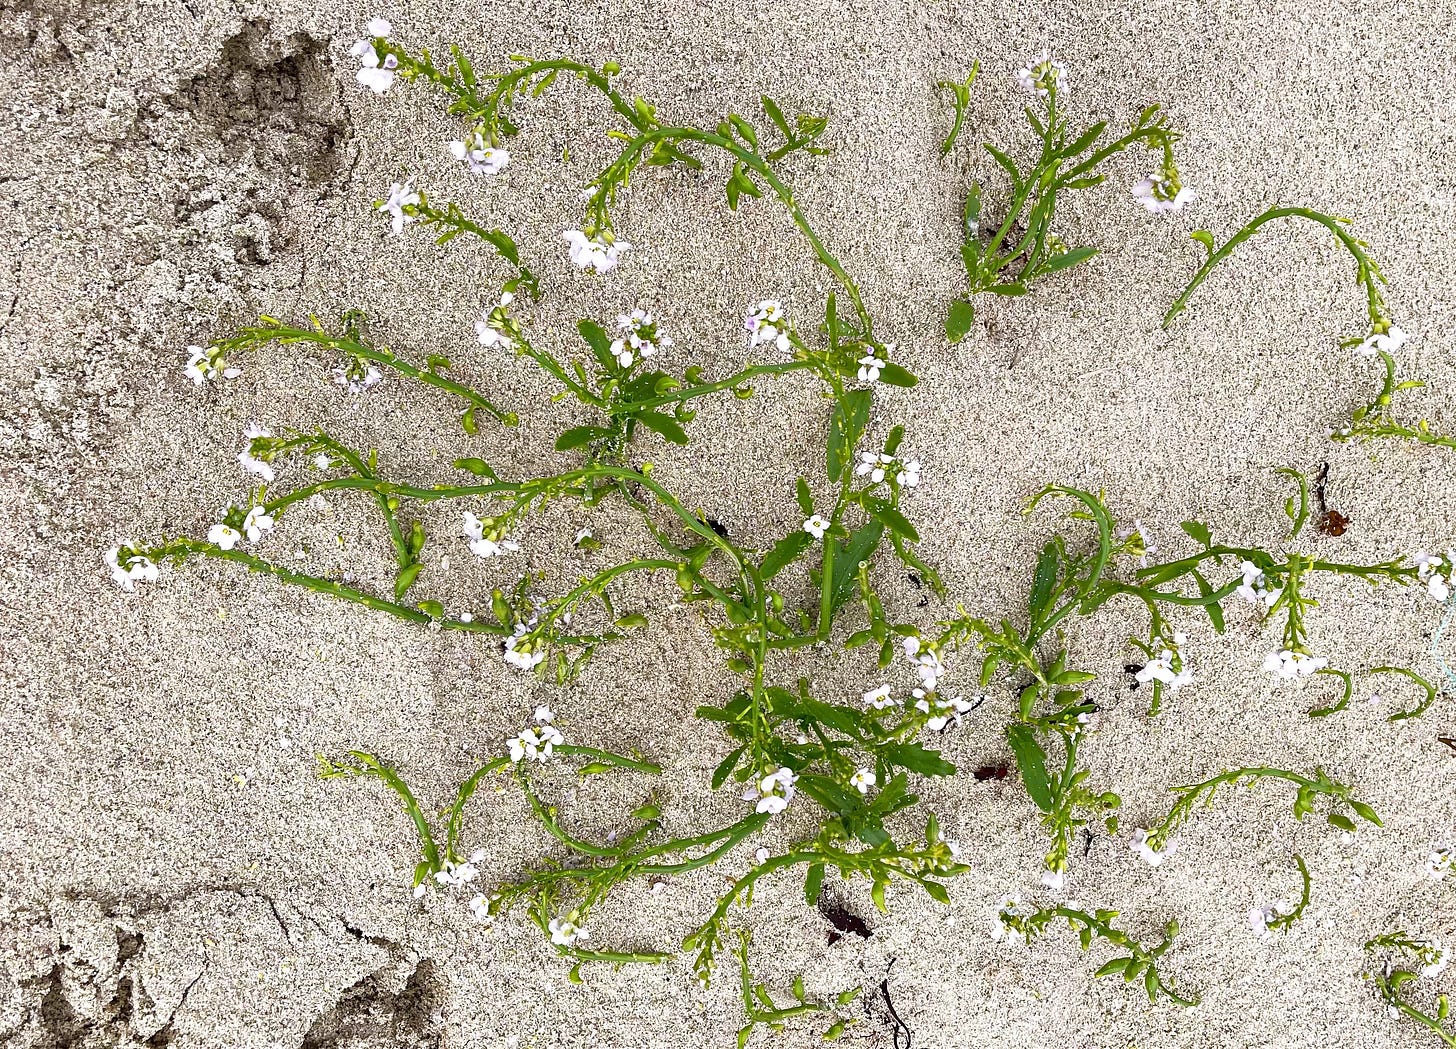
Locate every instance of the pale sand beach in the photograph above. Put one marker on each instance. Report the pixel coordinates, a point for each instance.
(175, 872)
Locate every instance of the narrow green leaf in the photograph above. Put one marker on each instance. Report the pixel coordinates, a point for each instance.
(1068, 259)
(785, 551)
(1031, 760)
(665, 425)
(846, 427)
(580, 435)
(813, 883)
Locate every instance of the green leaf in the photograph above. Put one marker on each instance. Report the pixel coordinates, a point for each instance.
(784, 552)
(1213, 608)
(1007, 289)
(960, 319)
(776, 115)
(846, 427)
(467, 422)
(916, 758)
(479, 467)
(665, 425)
(1091, 135)
(406, 579)
(937, 891)
(1044, 580)
(1006, 162)
(894, 520)
(1203, 237)
(894, 375)
(580, 435)
(1068, 259)
(600, 343)
(744, 129)
(806, 501)
(813, 883)
(1031, 760)
(848, 558)
(726, 766)
(1201, 533)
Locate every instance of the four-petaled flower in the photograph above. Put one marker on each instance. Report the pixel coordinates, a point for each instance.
(816, 526)
(1255, 587)
(1387, 338)
(879, 698)
(870, 367)
(492, 320)
(595, 252)
(1439, 862)
(256, 523)
(565, 932)
(399, 204)
(523, 653)
(224, 536)
(640, 338)
(1003, 924)
(862, 780)
(535, 743)
(477, 156)
(1169, 667)
(1436, 574)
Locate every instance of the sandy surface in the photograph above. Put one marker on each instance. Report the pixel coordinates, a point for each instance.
(172, 872)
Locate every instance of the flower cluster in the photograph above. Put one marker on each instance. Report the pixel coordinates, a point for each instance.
(256, 449)
(487, 538)
(600, 253)
(1437, 573)
(925, 661)
(1004, 924)
(1043, 75)
(357, 375)
(480, 158)
(765, 324)
(253, 524)
(376, 75)
(523, 652)
(1162, 192)
(1142, 846)
(207, 362)
(878, 465)
(1384, 337)
(773, 791)
(1255, 587)
(565, 932)
(494, 321)
(640, 338)
(128, 567)
(1169, 668)
(536, 742)
(1287, 665)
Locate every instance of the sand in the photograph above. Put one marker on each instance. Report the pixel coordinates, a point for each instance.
(174, 871)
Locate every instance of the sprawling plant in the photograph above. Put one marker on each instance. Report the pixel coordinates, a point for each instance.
(773, 604)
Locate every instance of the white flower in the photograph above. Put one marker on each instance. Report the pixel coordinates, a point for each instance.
(418, 891)
(480, 907)
(879, 698)
(1287, 665)
(401, 196)
(1260, 917)
(593, 251)
(1440, 958)
(1009, 907)
(1254, 588)
(1161, 192)
(1388, 341)
(1169, 667)
(582, 536)
(224, 536)
(874, 464)
(909, 475)
(870, 366)
(1054, 880)
(765, 324)
(477, 156)
(487, 542)
(1151, 856)
(943, 711)
(544, 716)
(1439, 862)
(816, 526)
(1042, 74)
(926, 662)
(565, 932)
(206, 362)
(486, 329)
(640, 338)
(523, 656)
(862, 780)
(377, 76)
(252, 465)
(456, 875)
(1438, 582)
(774, 791)
(357, 375)
(256, 523)
(535, 743)
(127, 569)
